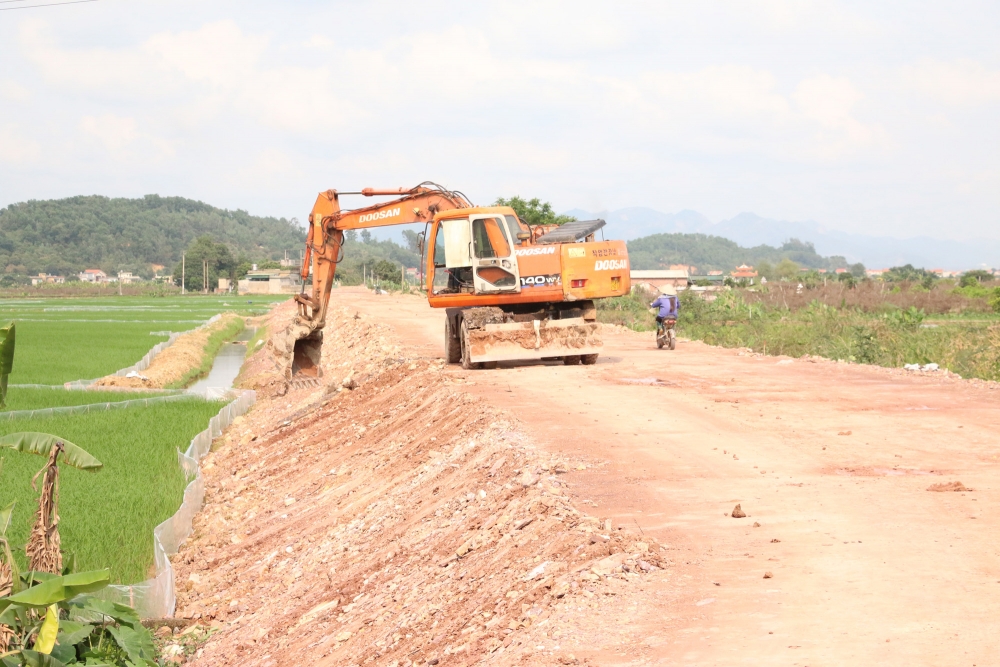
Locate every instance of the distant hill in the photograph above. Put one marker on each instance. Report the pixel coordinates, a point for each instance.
(716, 253)
(749, 230)
(65, 236)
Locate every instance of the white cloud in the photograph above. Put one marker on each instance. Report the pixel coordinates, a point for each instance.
(12, 91)
(320, 42)
(16, 148)
(955, 83)
(113, 132)
(219, 54)
(830, 102)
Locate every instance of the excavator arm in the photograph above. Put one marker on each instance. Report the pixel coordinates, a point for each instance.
(328, 222)
(324, 250)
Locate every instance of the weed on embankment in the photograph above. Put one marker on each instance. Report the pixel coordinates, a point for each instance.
(867, 332)
(107, 518)
(215, 341)
(631, 310)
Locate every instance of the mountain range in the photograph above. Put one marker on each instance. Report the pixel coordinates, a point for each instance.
(749, 230)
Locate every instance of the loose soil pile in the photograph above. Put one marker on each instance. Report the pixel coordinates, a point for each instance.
(403, 522)
(171, 365)
(948, 486)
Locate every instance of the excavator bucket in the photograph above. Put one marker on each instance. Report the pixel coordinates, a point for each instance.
(306, 354)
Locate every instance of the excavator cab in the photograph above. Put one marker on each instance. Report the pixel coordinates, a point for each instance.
(473, 254)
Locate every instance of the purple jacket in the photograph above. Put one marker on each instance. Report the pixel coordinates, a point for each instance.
(669, 306)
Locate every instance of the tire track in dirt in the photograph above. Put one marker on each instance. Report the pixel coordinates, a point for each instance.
(402, 522)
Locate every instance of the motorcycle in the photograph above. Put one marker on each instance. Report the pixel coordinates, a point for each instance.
(666, 335)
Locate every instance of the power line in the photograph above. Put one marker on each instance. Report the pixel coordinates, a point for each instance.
(53, 4)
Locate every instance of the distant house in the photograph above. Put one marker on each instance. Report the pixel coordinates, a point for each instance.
(875, 273)
(715, 273)
(657, 280)
(44, 278)
(743, 272)
(841, 271)
(94, 276)
(126, 278)
(269, 281)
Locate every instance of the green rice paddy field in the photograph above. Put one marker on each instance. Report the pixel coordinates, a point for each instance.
(61, 340)
(107, 518)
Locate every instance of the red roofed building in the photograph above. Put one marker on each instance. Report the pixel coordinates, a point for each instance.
(744, 271)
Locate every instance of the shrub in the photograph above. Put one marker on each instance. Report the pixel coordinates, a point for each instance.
(994, 300)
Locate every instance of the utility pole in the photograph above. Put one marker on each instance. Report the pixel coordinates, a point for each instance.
(204, 267)
(182, 274)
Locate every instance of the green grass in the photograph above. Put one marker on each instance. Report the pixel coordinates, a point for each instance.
(891, 338)
(631, 310)
(967, 343)
(60, 340)
(19, 398)
(107, 517)
(215, 341)
(259, 337)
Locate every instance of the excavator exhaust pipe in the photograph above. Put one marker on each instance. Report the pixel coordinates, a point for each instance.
(306, 355)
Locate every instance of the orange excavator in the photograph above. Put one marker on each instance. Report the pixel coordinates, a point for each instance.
(510, 291)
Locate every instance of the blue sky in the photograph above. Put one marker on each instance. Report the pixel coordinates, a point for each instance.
(868, 117)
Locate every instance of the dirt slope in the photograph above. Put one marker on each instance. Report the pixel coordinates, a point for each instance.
(401, 522)
(832, 460)
(831, 463)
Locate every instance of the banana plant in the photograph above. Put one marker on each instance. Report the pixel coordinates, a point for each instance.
(6, 359)
(48, 619)
(43, 549)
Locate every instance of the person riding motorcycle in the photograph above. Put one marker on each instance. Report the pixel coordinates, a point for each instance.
(669, 306)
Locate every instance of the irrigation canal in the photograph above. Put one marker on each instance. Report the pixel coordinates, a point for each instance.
(226, 366)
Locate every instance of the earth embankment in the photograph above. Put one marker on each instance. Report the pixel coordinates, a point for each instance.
(844, 556)
(391, 518)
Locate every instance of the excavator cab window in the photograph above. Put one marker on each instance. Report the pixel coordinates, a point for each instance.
(514, 227)
(452, 259)
(489, 237)
(495, 264)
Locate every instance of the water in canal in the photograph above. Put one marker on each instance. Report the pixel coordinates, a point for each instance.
(226, 366)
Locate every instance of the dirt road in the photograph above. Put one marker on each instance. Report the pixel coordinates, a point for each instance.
(831, 463)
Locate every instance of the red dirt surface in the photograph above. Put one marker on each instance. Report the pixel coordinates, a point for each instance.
(866, 566)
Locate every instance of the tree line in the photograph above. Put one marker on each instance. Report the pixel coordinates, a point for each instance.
(66, 236)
